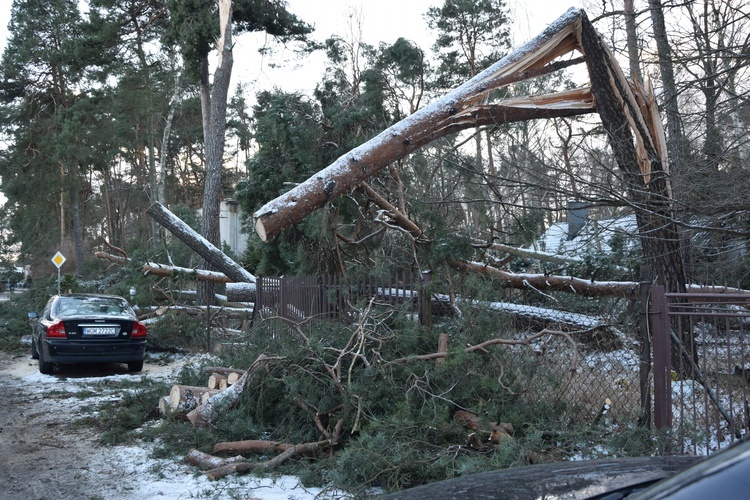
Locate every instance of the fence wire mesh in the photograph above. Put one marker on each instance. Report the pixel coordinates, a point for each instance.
(584, 359)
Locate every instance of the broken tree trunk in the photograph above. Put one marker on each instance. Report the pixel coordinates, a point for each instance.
(460, 109)
(635, 134)
(199, 244)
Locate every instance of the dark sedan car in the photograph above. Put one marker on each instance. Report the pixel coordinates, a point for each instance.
(87, 328)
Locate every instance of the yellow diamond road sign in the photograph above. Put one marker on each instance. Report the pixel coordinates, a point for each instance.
(58, 260)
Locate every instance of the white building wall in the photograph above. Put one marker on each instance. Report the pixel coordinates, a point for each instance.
(230, 227)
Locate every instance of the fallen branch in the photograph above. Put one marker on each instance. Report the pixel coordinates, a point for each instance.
(250, 445)
(586, 288)
(238, 468)
(206, 461)
(157, 269)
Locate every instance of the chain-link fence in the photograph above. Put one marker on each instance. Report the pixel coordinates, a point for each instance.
(588, 364)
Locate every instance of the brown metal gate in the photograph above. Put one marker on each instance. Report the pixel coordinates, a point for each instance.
(298, 298)
(701, 362)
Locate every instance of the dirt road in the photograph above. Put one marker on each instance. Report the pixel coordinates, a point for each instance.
(45, 453)
(44, 456)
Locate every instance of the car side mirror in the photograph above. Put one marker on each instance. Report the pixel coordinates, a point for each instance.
(33, 315)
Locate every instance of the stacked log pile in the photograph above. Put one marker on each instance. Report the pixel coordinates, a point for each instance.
(184, 399)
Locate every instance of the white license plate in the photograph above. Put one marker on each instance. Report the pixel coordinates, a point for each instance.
(100, 330)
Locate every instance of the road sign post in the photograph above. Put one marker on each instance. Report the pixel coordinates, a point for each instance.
(58, 260)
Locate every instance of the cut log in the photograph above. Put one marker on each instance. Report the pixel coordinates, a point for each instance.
(199, 244)
(217, 381)
(251, 445)
(206, 395)
(204, 414)
(483, 432)
(233, 378)
(184, 398)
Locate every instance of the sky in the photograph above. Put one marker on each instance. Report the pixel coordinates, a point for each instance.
(384, 20)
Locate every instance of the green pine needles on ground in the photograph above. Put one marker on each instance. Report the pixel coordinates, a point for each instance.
(372, 384)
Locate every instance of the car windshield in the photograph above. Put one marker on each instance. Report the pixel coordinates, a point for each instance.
(92, 306)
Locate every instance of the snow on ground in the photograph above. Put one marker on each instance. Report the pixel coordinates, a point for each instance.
(128, 472)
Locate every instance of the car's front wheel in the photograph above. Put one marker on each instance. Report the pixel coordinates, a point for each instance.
(45, 367)
(34, 353)
(135, 366)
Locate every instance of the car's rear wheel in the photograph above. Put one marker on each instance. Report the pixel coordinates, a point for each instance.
(135, 366)
(45, 367)
(34, 353)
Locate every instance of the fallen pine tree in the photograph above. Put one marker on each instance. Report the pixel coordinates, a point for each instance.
(338, 372)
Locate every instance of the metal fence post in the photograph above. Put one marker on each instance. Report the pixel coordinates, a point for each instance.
(644, 292)
(662, 359)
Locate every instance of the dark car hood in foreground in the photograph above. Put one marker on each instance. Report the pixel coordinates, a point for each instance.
(581, 479)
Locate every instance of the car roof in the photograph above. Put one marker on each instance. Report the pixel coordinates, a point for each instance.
(88, 295)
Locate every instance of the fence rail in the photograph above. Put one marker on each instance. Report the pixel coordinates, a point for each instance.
(701, 368)
(699, 352)
(298, 298)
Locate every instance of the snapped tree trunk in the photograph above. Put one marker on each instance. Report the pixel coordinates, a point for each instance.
(458, 110)
(214, 106)
(636, 140)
